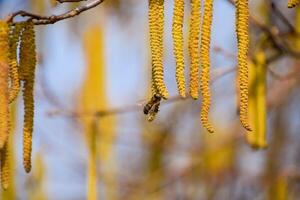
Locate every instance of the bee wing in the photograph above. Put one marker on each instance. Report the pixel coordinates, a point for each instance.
(142, 102)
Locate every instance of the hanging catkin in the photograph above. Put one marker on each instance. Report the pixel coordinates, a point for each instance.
(205, 61)
(4, 74)
(13, 62)
(257, 101)
(177, 33)
(242, 17)
(27, 71)
(293, 3)
(193, 45)
(156, 26)
(5, 167)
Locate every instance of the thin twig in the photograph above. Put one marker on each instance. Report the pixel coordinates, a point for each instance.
(274, 36)
(218, 73)
(283, 18)
(43, 20)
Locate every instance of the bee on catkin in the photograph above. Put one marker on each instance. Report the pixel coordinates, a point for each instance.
(156, 26)
(15, 31)
(27, 74)
(177, 33)
(293, 3)
(193, 45)
(4, 77)
(242, 18)
(152, 107)
(205, 61)
(5, 167)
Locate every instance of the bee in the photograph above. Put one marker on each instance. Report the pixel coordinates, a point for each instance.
(152, 107)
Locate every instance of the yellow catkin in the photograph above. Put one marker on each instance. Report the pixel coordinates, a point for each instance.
(242, 18)
(193, 45)
(156, 26)
(177, 33)
(293, 3)
(13, 62)
(94, 97)
(205, 61)
(257, 102)
(4, 74)
(5, 167)
(10, 192)
(27, 72)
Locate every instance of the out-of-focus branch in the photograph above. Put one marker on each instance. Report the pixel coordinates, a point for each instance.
(283, 18)
(43, 20)
(273, 35)
(69, 1)
(218, 73)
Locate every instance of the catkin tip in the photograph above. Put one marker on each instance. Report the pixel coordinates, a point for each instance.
(27, 168)
(247, 127)
(5, 167)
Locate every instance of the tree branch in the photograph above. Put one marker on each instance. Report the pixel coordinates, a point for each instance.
(218, 73)
(43, 20)
(69, 1)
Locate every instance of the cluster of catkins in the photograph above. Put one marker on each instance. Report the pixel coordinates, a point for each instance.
(199, 52)
(16, 71)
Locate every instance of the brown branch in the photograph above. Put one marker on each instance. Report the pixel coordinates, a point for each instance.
(43, 20)
(69, 1)
(218, 73)
(283, 18)
(274, 36)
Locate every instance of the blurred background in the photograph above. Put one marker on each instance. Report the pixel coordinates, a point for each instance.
(92, 140)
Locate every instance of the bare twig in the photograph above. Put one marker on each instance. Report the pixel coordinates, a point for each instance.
(69, 1)
(274, 36)
(224, 52)
(43, 20)
(283, 18)
(218, 73)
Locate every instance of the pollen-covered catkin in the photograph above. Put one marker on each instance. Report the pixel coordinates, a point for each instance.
(27, 73)
(14, 89)
(193, 45)
(205, 61)
(156, 26)
(242, 18)
(178, 49)
(5, 167)
(293, 3)
(4, 74)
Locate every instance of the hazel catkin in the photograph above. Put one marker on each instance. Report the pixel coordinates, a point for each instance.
(257, 101)
(156, 26)
(27, 74)
(193, 45)
(4, 77)
(177, 33)
(205, 61)
(5, 166)
(15, 31)
(242, 18)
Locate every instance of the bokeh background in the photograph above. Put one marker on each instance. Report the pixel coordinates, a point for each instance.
(92, 82)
